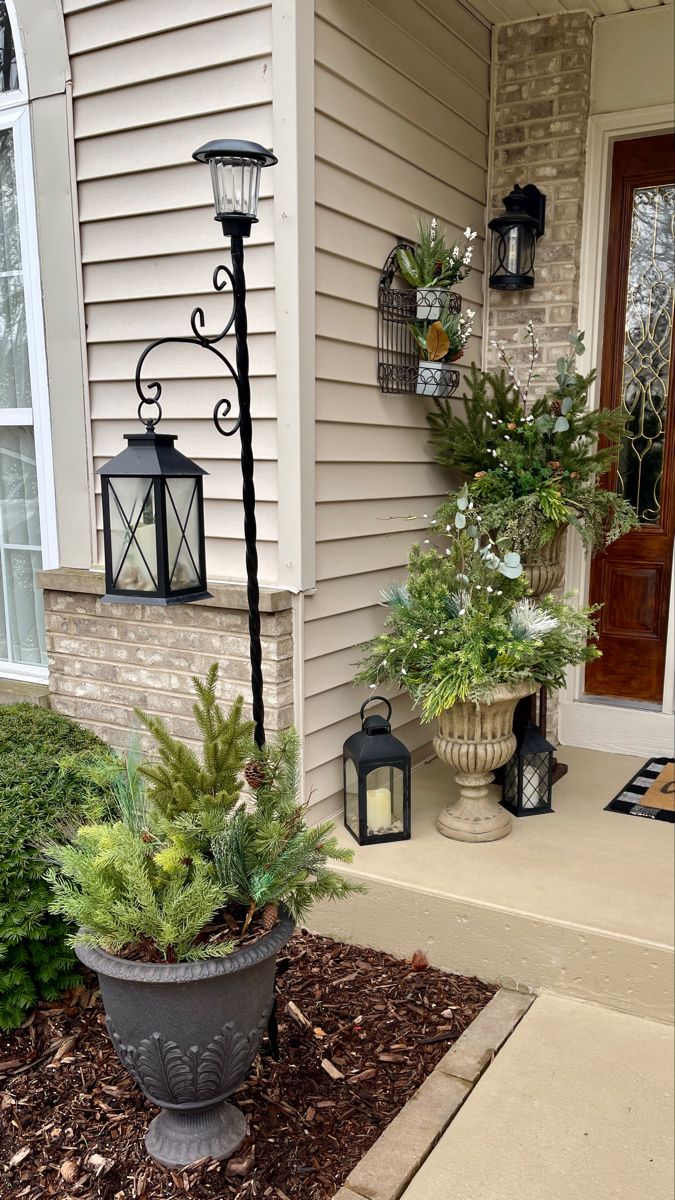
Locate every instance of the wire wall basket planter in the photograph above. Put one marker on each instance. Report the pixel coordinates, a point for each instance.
(399, 367)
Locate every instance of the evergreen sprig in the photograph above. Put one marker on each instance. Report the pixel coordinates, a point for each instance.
(178, 855)
(267, 856)
(192, 793)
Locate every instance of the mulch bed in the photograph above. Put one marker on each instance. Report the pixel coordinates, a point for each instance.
(72, 1122)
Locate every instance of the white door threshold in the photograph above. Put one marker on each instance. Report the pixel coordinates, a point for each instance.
(616, 729)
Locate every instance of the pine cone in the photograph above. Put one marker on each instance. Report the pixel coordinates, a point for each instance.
(270, 916)
(556, 407)
(254, 774)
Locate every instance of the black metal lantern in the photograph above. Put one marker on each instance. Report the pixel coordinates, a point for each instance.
(235, 176)
(153, 523)
(376, 781)
(528, 776)
(514, 238)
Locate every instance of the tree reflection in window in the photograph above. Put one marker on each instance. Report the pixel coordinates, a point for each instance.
(647, 347)
(8, 71)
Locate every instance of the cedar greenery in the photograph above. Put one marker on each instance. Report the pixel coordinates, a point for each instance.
(533, 468)
(463, 623)
(36, 796)
(184, 862)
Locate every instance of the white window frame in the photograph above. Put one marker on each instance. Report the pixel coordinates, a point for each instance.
(15, 115)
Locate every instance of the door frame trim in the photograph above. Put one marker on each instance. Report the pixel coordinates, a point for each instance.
(585, 722)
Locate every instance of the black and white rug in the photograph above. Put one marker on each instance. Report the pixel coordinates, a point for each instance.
(650, 793)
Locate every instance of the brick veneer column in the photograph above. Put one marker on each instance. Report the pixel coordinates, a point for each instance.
(542, 89)
(107, 659)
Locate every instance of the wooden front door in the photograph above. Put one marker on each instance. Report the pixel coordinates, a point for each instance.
(632, 579)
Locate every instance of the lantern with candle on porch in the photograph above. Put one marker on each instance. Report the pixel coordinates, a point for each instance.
(376, 780)
(528, 776)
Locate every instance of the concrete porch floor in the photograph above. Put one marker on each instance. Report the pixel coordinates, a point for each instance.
(578, 902)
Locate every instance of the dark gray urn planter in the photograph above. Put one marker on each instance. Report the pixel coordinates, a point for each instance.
(187, 1033)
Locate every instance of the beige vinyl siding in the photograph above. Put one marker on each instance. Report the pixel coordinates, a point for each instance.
(152, 80)
(401, 97)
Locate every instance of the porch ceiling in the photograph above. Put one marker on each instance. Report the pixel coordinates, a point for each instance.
(501, 12)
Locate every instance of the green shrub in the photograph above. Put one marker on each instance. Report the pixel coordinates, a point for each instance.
(36, 798)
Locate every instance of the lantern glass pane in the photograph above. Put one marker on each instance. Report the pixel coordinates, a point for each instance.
(236, 184)
(351, 797)
(535, 780)
(182, 532)
(384, 800)
(133, 534)
(513, 251)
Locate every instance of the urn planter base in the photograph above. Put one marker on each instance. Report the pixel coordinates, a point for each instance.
(176, 1138)
(475, 740)
(476, 816)
(188, 1033)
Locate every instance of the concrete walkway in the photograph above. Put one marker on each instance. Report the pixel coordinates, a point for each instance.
(576, 1106)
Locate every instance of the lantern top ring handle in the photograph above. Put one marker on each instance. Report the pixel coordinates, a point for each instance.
(149, 421)
(374, 700)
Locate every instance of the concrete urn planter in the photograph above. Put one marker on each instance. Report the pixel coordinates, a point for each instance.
(546, 571)
(476, 739)
(187, 1033)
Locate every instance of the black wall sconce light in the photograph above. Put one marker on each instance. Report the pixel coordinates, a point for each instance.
(514, 238)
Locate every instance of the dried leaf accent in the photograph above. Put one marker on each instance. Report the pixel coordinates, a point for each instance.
(438, 342)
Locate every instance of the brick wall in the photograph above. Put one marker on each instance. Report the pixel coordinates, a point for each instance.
(542, 86)
(541, 99)
(107, 659)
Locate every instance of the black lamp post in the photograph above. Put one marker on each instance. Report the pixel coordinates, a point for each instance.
(514, 238)
(153, 509)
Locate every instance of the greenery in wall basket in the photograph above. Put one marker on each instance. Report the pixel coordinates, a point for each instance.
(188, 860)
(443, 340)
(461, 623)
(433, 262)
(37, 794)
(532, 468)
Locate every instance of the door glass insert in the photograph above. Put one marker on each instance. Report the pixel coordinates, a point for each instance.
(646, 355)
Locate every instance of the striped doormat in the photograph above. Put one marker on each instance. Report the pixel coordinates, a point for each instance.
(650, 793)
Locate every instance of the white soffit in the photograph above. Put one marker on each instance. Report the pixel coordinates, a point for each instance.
(502, 12)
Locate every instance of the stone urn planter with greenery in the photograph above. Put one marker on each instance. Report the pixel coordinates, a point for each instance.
(184, 891)
(467, 643)
(474, 740)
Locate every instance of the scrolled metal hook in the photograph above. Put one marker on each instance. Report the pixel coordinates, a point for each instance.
(221, 412)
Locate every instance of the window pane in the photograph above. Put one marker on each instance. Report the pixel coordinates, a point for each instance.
(19, 510)
(24, 607)
(10, 79)
(21, 614)
(14, 371)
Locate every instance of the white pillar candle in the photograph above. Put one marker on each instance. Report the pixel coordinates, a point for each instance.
(378, 808)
